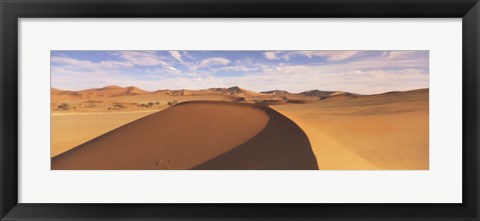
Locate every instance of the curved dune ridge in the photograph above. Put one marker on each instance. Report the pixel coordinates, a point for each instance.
(197, 135)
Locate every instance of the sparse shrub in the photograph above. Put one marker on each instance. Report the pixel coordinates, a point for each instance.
(64, 106)
(172, 103)
(157, 103)
(241, 99)
(119, 105)
(147, 105)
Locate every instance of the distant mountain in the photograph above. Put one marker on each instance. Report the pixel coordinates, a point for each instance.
(113, 90)
(233, 91)
(55, 91)
(108, 91)
(110, 87)
(340, 96)
(318, 93)
(277, 92)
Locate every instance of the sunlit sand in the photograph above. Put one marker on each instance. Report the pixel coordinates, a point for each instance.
(387, 131)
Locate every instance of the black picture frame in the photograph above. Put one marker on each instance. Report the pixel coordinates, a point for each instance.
(12, 10)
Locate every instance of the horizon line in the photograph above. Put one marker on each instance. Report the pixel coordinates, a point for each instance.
(238, 87)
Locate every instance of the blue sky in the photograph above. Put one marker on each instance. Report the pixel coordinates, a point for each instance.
(365, 72)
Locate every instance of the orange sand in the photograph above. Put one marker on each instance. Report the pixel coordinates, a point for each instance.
(387, 131)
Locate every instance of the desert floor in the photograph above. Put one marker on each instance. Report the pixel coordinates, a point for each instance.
(387, 131)
(69, 130)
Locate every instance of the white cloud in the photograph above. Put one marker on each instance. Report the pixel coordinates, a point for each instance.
(172, 70)
(329, 55)
(271, 55)
(401, 54)
(141, 58)
(176, 55)
(390, 63)
(244, 68)
(82, 64)
(216, 61)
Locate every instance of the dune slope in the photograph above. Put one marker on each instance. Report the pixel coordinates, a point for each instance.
(282, 145)
(180, 137)
(192, 134)
(387, 131)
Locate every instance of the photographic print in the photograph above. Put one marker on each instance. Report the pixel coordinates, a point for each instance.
(239, 110)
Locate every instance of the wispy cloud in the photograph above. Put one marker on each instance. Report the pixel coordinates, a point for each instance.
(82, 64)
(395, 55)
(329, 55)
(176, 55)
(142, 58)
(215, 61)
(272, 55)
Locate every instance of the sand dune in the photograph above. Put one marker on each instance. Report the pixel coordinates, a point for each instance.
(386, 131)
(115, 98)
(165, 98)
(234, 128)
(280, 145)
(95, 93)
(338, 96)
(119, 100)
(196, 135)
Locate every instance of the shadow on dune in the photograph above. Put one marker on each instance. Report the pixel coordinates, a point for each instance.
(281, 145)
